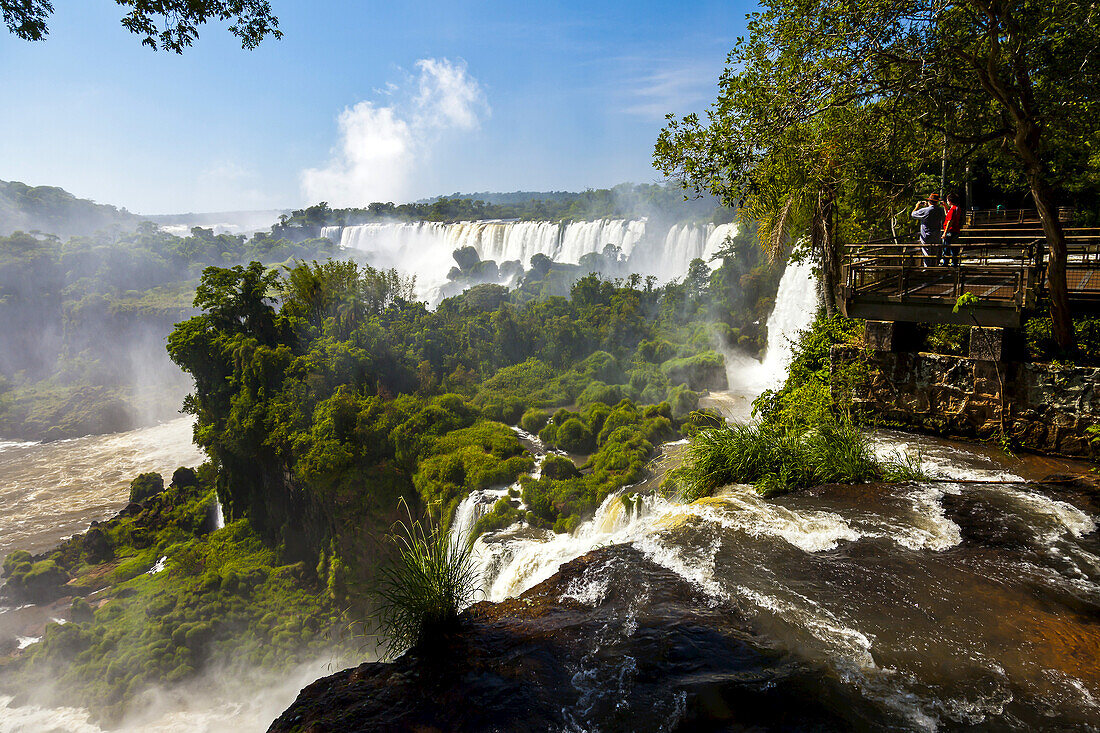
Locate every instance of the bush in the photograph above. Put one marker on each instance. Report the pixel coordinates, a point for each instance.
(683, 401)
(184, 477)
(559, 468)
(600, 392)
(776, 458)
(505, 513)
(702, 371)
(534, 419)
(145, 486)
(575, 437)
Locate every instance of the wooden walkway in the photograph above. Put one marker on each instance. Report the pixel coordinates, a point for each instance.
(1003, 263)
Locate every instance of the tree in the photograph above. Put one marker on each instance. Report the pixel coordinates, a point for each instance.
(1020, 75)
(171, 25)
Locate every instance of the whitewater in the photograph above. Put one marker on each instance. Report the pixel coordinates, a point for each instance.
(425, 248)
(882, 585)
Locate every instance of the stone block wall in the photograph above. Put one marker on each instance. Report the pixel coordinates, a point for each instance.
(1046, 408)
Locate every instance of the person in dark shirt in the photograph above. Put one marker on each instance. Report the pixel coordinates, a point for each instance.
(952, 225)
(930, 215)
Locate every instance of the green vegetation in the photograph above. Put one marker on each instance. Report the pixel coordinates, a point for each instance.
(362, 397)
(83, 322)
(325, 397)
(145, 486)
(171, 25)
(833, 118)
(805, 434)
(177, 597)
(624, 201)
(429, 583)
(623, 438)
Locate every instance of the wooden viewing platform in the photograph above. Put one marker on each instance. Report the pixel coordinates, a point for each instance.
(1003, 263)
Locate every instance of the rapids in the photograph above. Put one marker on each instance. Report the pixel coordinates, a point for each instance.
(971, 599)
(49, 491)
(968, 600)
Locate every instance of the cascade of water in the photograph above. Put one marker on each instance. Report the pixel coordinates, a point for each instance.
(795, 305)
(716, 240)
(425, 248)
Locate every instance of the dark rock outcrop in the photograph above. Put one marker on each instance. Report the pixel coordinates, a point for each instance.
(611, 642)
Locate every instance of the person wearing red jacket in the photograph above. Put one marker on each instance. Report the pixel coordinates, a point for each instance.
(952, 225)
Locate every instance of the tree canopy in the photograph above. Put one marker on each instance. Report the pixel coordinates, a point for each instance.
(171, 25)
(831, 110)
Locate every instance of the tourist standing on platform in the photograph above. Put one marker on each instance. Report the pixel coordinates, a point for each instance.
(952, 225)
(930, 215)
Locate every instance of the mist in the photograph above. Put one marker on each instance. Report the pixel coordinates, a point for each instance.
(84, 321)
(225, 696)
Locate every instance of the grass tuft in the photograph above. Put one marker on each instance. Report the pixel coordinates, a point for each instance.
(778, 458)
(426, 588)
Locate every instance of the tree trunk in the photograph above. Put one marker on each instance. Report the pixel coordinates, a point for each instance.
(1027, 135)
(1060, 314)
(1015, 95)
(823, 242)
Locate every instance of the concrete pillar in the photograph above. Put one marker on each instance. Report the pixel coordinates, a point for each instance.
(988, 343)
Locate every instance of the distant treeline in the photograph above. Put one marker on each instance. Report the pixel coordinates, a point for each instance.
(55, 211)
(625, 201)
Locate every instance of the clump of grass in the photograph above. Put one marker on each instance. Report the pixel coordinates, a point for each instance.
(426, 588)
(904, 467)
(777, 458)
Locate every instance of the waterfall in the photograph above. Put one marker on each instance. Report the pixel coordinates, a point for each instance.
(795, 306)
(425, 248)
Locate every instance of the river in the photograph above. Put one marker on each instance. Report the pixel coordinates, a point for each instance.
(968, 601)
(971, 600)
(50, 491)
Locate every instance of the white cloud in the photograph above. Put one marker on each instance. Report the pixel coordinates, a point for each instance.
(381, 148)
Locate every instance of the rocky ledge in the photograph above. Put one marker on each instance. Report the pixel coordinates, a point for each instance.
(613, 641)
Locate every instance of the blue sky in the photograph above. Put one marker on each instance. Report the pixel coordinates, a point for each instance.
(358, 101)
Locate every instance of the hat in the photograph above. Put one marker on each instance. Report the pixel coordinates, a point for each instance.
(934, 198)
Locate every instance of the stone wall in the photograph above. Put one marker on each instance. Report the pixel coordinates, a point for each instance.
(1046, 408)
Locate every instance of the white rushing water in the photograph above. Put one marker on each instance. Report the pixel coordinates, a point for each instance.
(425, 248)
(796, 303)
(737, 547)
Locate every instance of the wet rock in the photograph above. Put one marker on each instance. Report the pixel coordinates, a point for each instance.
(95, 548)
(611, 642)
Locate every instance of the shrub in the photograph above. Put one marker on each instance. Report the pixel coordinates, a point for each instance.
(600, 392)
(683, 401)
(184, 477)
(534, 419)
(505, 513)
(145, 486)
(776, 458)
(575, 437)
(424, 591)
(558, 468)
(702, 371)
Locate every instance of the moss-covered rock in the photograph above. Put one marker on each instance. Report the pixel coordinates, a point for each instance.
(145, 486)
(706, 370)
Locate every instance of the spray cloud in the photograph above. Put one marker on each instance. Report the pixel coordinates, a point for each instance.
(381, 148)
